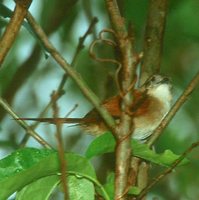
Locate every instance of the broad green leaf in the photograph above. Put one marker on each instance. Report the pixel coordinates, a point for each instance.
(109, 185)
(103, 144)
(40, 189)
(80, 188)
(106, 144)
(27, 165)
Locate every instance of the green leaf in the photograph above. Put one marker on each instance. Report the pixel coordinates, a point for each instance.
(109, 185)
(100, 146)
(5, 12)
(27, 165)
(80, 188)
(40, 189)
(134, 190)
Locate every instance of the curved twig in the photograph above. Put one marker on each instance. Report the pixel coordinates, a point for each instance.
(107, 30)
(110, 42)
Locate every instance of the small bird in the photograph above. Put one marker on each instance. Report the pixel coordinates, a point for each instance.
(151, 103)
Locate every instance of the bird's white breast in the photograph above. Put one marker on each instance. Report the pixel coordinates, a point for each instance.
(145, 125)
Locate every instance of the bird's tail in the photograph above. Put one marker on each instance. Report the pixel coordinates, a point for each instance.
(58, 120)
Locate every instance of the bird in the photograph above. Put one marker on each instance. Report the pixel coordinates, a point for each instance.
(151, 102)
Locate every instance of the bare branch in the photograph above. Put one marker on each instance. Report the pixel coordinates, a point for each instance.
(153, 40)
(125, 128)
(13, 27)
(72, 73)
(60, 146)
(59, 90)
(23, 72)
(80, 45)
(28, 129)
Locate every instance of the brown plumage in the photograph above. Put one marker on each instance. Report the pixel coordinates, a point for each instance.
(150, 105)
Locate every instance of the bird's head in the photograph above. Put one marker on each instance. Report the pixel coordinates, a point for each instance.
(158, 86)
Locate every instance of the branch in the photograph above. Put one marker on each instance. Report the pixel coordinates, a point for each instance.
(13, 27)
(80, 46)
(152, 50)
(60, 146)
(59, 90)
(124, 129)
(153, 40)
(167, 171)
(23, 72)
(24, 125)
(174, 109)
(71, 72)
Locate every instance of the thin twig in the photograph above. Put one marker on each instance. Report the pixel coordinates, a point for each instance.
(90, 95)
(59, 90)
(13, 27)
(33, 126)
(80, 45)
(153, 39)
(28, 129)
(192, 85)
(167, 171)
(142, 178)
(23, 72)
(60, 147)
(124, 129)
(110, 42)
(88, 11)
(73, 109)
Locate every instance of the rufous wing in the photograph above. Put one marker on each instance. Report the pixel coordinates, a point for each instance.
(139, 106)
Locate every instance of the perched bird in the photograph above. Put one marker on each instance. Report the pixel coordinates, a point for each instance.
(151, 103)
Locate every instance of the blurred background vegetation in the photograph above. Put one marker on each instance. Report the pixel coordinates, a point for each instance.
(29, 75)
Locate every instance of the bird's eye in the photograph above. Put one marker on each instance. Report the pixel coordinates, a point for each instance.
(153, 79)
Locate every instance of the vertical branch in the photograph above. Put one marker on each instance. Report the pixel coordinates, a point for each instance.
(154, 32)
(124, 130)
(60, 147)
(142, 177)
(13, 27)
(153, 45)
